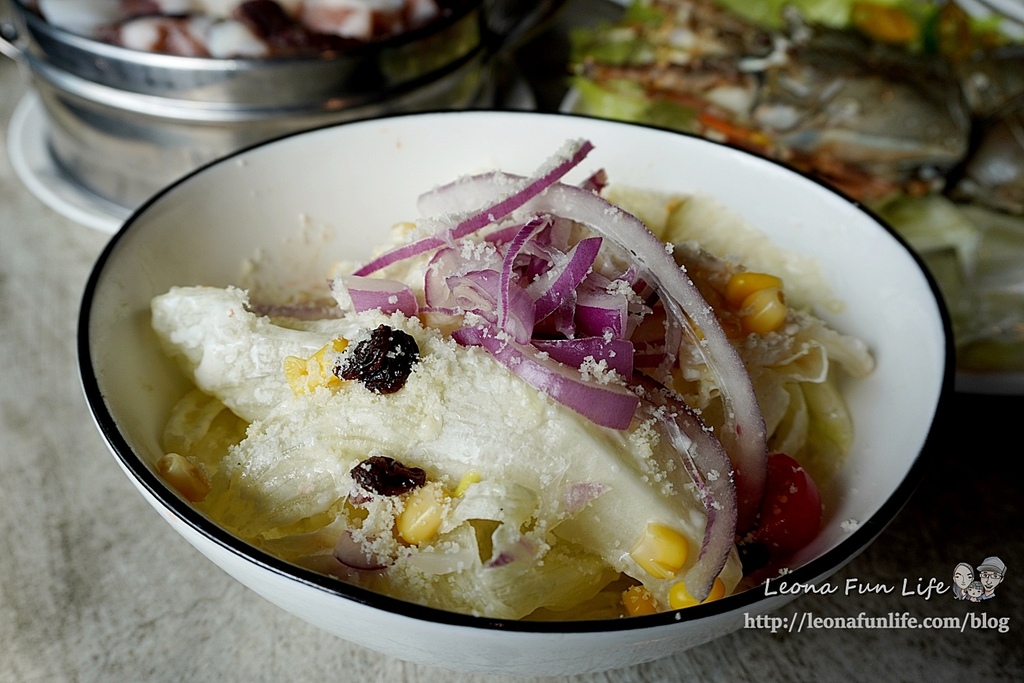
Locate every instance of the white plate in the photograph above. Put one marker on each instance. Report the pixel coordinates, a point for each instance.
(302, 200)
(1010, 9)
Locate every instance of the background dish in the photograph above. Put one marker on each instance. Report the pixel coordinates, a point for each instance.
(124, 123)
(970, 241)
(994, 383)
(36, 166)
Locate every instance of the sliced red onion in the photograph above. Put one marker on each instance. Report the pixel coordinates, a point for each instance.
(596, 182)
(476, 291)
(492, 291)
(454, 261)
(436, 292)
(545, 256)
(744, 431)
(516, 311)
(560, 323)
(616, 353)
(711, 471)
(503, 235)
(607, 404)
(522, 191)
(578, 495)
(420, 246)
(557, 236)
(599, 313)
(351, 553)
(359, 294)
(523, 550)
(517, 314)
(554, 288)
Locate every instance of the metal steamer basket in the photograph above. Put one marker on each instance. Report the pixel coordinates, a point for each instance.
(124, 123)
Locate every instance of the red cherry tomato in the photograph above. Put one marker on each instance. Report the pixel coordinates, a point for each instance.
(791, 509)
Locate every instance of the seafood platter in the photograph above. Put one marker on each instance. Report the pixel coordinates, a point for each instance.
(914, 109)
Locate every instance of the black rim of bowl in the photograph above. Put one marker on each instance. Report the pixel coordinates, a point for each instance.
(823, 566)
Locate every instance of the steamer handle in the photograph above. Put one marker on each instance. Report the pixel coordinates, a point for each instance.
(519, 18)
(8, 38)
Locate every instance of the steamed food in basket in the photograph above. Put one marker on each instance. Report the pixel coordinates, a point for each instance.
(234, 28)
(914, 108)
(531, 404)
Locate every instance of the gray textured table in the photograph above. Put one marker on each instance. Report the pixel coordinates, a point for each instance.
(94, 586)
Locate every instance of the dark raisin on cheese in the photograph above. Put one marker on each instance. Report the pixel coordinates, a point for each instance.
(387, 477)
(383, 362)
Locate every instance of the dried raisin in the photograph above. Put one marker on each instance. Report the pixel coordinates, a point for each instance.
(382, 362)
(387, 477)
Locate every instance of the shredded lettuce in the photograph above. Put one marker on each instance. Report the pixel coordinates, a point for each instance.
(976, 256)
(625, 100)
(829, 12)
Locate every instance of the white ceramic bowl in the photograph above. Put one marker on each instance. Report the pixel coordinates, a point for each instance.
(332, 193)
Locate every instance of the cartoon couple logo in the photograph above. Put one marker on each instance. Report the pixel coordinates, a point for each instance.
(975, 589)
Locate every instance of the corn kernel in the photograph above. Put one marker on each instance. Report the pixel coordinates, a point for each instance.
(402, 230)
(660, 551)
(638, 601)
(422, 516)
(179, 472)
(763, 311)
(679, 597)
(306, 374)
(468, 479)
(743, 284)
